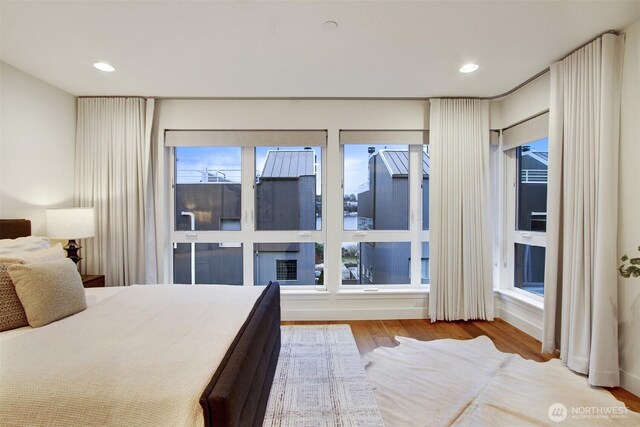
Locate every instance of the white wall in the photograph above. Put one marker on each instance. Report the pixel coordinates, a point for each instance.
(629, 210)
(332, 115)
(37, 146)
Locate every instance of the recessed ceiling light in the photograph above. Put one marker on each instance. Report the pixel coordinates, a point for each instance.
(103, 66)
(330, 25)
(469, 68)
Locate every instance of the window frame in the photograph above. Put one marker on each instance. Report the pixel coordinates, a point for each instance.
(414, 235)
(248, 236)
(511, 235)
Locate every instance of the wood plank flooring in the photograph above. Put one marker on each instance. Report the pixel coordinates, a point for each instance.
(370, 334)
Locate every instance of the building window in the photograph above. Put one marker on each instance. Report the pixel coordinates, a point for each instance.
(286, 269)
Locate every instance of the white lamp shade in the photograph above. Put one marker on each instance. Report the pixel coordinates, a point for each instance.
(70, 223)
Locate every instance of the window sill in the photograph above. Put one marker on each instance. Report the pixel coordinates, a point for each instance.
(510, 295)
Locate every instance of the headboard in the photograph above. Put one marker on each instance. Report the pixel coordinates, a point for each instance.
(14, 228)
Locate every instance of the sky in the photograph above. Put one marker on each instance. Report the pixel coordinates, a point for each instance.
(540, 145)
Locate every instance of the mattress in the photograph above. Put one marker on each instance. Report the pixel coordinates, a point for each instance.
(139, 355)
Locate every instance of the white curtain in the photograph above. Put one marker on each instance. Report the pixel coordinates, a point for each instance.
(580, 313)
(112, 174)
(459, 198)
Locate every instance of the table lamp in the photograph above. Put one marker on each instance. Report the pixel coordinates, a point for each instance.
(71, 224)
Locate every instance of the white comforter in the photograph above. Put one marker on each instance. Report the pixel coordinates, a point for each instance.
(139, 355)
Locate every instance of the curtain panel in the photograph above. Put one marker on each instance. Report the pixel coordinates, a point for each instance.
(459, 199)
(580, 312)
(112, 174)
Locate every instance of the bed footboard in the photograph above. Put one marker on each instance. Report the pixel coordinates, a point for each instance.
(239, 390)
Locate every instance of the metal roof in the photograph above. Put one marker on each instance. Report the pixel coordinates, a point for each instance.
(541, 156)
(288, 164)
(397, 162)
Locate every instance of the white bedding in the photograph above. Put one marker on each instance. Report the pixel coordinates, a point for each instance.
(139, 355)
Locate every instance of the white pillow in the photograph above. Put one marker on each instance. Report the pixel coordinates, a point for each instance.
(23, 244)
(54, 253)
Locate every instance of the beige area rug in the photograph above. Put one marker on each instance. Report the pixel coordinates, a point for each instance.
(470, 383)
(320, 381)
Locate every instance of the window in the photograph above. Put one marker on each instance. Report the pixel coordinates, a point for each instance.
(375, 263)
(207, 263)
(292, 264)
(385, 208)
(529, 268)
(286, 269)
(531, 204)
(288, 188)
(376, 187)
(526, 156)
(207, 187)
(237, 190)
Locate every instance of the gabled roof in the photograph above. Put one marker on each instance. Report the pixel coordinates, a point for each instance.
(397, 162)
(288, 164)
(541, 156)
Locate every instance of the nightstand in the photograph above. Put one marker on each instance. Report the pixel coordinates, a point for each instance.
(92, 281)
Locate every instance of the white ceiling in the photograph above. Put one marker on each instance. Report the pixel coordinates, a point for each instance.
(280, 48)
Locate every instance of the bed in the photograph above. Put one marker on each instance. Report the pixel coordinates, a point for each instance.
(234, 391)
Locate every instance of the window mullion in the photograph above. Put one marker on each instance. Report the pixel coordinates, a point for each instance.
(248, 214)
(415, 212)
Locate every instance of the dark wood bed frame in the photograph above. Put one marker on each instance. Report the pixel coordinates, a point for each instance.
(238, 393)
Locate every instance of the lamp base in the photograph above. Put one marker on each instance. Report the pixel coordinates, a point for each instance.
(72, 249)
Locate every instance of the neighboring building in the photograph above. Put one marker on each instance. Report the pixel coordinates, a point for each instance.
(285, 200)
(532, 190)
(385, 206)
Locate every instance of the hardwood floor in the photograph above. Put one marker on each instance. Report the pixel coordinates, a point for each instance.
(370, 334)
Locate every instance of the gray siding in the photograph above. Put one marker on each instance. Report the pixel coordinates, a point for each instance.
(209, 259)
(209, 203)
(286, 204)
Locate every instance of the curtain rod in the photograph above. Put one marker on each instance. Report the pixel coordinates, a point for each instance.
(546, 70)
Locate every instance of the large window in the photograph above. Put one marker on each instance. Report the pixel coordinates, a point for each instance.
(385, 208)
(526, 167)
(247, 207)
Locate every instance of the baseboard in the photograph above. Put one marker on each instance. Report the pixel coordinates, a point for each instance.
(520, 323)
(520, 314)
(630, 382)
